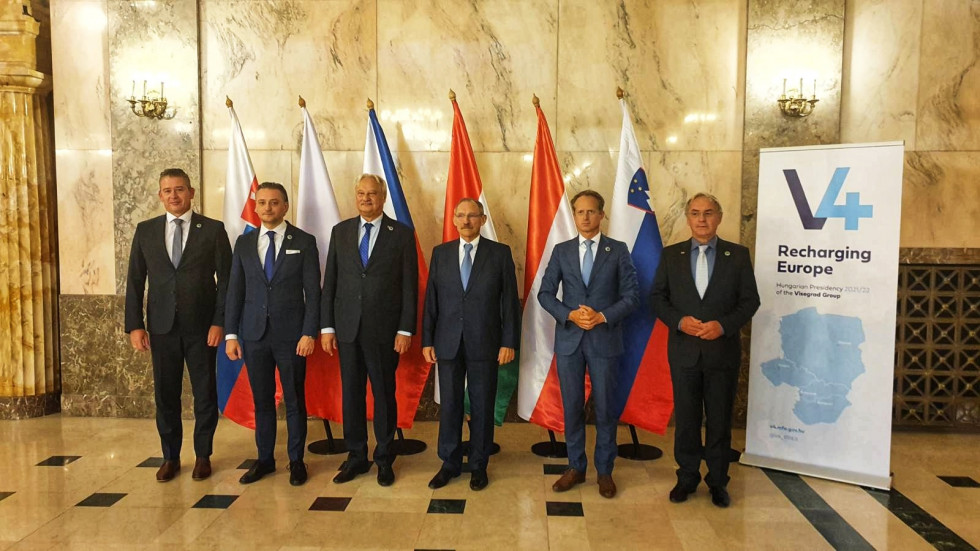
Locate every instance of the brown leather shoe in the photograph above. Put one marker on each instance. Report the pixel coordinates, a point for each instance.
(607, 488)
(168, 470)
(568, 480)
(202, 468)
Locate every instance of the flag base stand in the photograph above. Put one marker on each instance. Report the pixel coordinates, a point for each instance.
(465, 444)
(329, 446)
(734, 456)
(406, 446)
(552, 449)
(637, 451)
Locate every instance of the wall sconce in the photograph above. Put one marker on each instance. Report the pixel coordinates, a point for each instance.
(152, 105)
(797, 105)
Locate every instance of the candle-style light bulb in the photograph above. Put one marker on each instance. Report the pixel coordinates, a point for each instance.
(784, 87)
(132, 91)
(814, 88)
(161, 89)
(144, 89)
(801, 87)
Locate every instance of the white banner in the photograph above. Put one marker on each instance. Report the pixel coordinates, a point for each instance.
(823, 341)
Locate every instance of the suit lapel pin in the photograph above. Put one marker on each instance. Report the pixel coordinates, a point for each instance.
(390, 228)
(608, 249)
(198, 226)
(289, 237)
(728, 253)
(683, 252)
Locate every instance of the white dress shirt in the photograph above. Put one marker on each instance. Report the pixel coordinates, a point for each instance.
(168, 237)
(462, 251)
(582, 248)
(263, 241)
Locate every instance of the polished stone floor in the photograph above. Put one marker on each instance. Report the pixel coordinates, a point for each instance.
(88, 483)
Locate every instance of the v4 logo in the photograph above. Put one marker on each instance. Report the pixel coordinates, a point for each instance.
(851, 211)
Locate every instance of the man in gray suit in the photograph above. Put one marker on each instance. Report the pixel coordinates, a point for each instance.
(704, 291)
(599, 289)
(186, 258)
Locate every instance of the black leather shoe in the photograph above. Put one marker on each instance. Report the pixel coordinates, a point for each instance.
(680, 492)
(350, 471)
(440, 479)
(720, 497)
(386, 476)
(478, 479)
(258, 470)
(297, 473)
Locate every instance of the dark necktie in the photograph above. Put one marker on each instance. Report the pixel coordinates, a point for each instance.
(177, 243)
(467, 268)
(270, 256)
(365, 244)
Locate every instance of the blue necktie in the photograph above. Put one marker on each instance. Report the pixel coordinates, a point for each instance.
(365, 244)
(270, 256)
(587, 262)
(178, 242)
(467, 268)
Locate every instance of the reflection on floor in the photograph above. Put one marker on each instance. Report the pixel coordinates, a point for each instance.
(68, 483)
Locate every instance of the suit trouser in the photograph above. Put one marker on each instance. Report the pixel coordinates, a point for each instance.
(571, 378)
(708, 390)
(169, 351)
(262, 357)
(359, 362)
(482, 387)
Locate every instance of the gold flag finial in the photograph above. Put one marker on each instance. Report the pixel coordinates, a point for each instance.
(452, 95)
(619, 92)
(302, 102)
(228, 102)
(370, 105)
(535, 100)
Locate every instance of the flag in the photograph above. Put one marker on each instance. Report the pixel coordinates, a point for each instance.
(644, 394)
(549, 222)
(234, 392)
(413, 370)
(464, 181)
(317, 213)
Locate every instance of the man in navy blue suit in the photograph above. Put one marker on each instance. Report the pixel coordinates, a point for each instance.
(471, 325)
(273, 308)
(704, 291)
(599, 289)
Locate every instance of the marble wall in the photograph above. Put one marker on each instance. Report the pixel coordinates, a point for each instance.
(702, 104)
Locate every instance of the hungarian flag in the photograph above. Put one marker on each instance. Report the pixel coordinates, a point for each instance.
(464, 181)
(644, 394)
(234, 392)
(549, 222)
(317, 213)
(413, 370)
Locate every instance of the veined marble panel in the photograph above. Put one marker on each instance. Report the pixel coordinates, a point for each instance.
(154, 41)
(881, 71)
(265, 54)
(940, 199)
(949, 77)
(86, 255)
(270, 166)
(495, 55)
(677, 61)
(80, 74)
(135, 195)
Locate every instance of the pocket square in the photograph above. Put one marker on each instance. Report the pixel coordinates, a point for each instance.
(293, 251)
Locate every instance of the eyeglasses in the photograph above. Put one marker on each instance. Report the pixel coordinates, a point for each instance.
(465, 216)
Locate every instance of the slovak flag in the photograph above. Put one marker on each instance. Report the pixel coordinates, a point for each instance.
(644, 394)
(549, 222)
(234, 391)
(413, 370)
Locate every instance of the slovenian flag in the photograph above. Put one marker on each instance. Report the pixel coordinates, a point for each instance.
(234, 392)
(317, 213)
(644, 394)
(549, 222)
(413, 370)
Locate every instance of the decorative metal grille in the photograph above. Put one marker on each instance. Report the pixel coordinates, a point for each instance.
(937, 351)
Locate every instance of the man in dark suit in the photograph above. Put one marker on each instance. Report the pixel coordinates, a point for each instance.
(368, 312)
(273, 309)
(186, 257)
(471, 324)
(599, 289)
(704, 291)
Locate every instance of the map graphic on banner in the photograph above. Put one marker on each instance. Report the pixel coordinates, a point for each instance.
(821, 359)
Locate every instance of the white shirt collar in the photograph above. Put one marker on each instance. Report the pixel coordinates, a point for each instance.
(376, 221)
(280, 229)
(186, 217)
(475, 242)
(595, 240)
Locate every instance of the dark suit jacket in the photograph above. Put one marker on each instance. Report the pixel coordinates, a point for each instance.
(612, 290)
(290, 303)
(487, 314)
(731, 299)
(193, 293)
(382, 297)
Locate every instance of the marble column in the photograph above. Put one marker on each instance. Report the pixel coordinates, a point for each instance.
(786, 40)
(29, 379)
